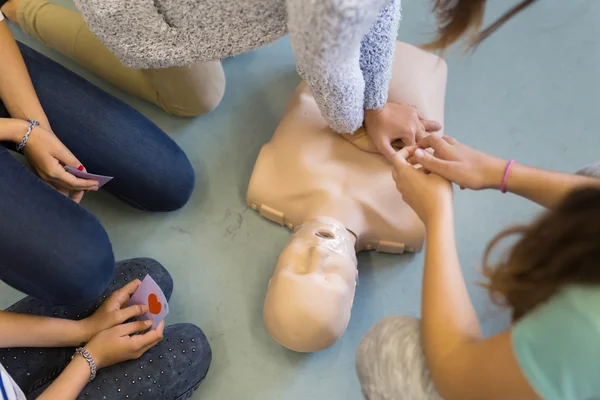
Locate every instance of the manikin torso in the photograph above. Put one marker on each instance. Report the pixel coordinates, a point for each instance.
(306, 171)
(330, 191)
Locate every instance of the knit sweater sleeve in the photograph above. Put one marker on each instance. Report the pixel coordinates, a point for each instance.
(377, 55)
(327, 37)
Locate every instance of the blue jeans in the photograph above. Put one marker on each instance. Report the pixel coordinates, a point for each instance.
(50, 247)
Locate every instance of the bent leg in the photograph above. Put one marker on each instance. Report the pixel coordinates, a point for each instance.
(51, 248)
(174, 367)
(390, 362)
(110, 138)
(33, 369)
(183, 91)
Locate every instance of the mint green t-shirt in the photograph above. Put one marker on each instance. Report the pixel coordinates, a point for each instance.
(558, 345)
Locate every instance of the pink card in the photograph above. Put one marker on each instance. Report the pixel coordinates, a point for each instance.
(150, 294)
(101, 179)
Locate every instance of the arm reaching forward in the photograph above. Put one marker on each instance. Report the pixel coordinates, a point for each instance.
(344, 51)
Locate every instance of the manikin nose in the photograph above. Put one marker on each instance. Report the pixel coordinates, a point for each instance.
(317, 257)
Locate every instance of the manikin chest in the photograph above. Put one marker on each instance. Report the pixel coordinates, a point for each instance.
(306, 170)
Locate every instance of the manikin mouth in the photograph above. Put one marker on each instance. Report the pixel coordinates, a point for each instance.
(324, 234)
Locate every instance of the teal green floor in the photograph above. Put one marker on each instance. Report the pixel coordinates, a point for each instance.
(530, 93)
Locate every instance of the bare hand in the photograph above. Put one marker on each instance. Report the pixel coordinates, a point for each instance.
(397, 122)
(48, 156)
(114, 311)
(425, 193)
(117, 344)
(461, 164)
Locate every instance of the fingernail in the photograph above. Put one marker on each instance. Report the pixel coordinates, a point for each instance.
(419, 153)
(80, 168)
(148, 322)
(95, 189)
(144, 308)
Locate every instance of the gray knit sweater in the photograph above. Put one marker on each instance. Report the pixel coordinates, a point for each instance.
(344, 48)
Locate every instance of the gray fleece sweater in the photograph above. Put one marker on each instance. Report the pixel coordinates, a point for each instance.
(344, 48)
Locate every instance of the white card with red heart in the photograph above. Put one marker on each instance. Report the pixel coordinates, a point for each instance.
(150, 294)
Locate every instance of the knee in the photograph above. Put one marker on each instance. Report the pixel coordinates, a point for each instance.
(177, 187)
(195, 107)
(390, 361)
(203, 93)
(401, 331)
(196, 354)
(165, 186)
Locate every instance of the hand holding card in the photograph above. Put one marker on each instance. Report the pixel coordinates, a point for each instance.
(150, 294)
(101, 179)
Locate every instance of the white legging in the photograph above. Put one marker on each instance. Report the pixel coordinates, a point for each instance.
(390, 362)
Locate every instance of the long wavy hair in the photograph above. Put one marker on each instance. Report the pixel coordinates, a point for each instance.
(458, 19)
(559, 249)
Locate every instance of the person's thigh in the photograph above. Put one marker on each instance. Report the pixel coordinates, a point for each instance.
(109, 137)
(172, 369)
(33, 369)
(50, 247)
(185, 91)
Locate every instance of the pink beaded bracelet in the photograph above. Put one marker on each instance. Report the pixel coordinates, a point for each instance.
(505, 177)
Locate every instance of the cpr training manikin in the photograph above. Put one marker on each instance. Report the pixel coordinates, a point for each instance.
(338, 200)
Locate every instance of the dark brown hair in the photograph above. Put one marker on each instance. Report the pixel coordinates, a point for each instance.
(463, 18)
(561, 248)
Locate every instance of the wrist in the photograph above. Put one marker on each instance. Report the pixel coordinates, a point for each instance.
(81, 365)
(372, 112)
(85, 330)
(95, 354)
(440, 210)
(494, 173)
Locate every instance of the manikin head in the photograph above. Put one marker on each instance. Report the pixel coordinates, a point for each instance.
(310, 295)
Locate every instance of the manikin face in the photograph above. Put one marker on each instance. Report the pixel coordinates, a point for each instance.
(310, 295)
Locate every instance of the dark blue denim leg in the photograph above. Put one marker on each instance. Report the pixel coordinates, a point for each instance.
(34, 368)
(50, 247)
(172, 370)
(109, 137)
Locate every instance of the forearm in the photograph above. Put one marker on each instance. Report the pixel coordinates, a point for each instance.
(326, 38)
(448, 317)
(546, 188)
(16, 90)
(70, 382)
(12, 129)
(21, 330)
(377, 55)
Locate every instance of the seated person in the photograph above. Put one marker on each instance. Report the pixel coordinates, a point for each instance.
(549, 280)
(38, 341)
(51, 247)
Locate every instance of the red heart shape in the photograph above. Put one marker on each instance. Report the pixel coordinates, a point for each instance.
(153, 304)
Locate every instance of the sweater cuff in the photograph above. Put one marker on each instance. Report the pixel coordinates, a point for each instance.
(376, 90)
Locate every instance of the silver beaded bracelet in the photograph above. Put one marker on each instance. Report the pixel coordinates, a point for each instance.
(82, 351)
(32, 124)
